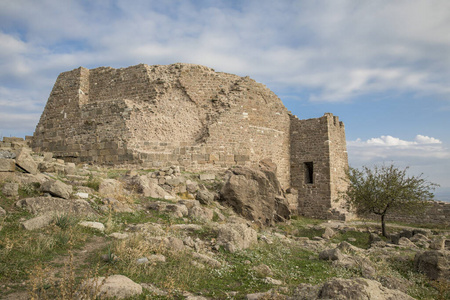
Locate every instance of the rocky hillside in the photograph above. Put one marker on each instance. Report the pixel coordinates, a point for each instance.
(84, 232)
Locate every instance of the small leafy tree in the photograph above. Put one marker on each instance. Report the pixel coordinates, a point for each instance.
(385, 189)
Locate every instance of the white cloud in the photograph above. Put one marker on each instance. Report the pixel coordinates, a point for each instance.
(392, 148)
(424, 154)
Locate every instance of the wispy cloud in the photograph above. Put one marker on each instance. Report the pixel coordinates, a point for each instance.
(339, 49)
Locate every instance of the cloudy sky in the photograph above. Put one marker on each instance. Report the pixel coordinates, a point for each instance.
(382, 66)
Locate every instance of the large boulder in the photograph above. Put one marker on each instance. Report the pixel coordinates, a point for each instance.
(57, 188)
(256, 194)
(434, 264)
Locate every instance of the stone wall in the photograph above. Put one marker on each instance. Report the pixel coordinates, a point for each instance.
(318, 164)
(192, 116)
(164, 115)
(437, 212)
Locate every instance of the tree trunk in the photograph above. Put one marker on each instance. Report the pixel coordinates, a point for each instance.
(383, 226)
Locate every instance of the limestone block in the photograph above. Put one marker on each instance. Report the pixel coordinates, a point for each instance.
(110, 187)
(115, 286)
(10, 189)
(38, 222)
(57, 188)
(48, 156)
(7, 165)
(26, 162)
(94, 225)
(207, 176)
(43, 205)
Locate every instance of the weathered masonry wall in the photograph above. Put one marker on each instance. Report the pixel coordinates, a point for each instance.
(190, 115)
(163, 115)
(318, 163)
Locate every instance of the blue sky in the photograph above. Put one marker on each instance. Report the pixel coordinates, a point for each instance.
(382, 66)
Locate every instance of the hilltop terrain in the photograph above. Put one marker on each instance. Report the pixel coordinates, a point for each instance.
(84, 231)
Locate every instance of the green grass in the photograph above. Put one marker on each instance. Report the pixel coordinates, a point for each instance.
(362, 238)
(291, 264)
(29, 190)
(302, 227)
(93, 182)
(116, 173)
(22, 250)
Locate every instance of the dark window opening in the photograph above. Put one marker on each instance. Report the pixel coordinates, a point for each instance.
(309, 172)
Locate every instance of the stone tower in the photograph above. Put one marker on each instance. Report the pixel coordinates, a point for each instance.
(190, 115)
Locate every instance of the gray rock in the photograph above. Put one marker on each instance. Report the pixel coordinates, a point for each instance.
(205, 197)
(70, 169)
(94, 225)
(425, 232)
(419, 237)
(191, 186)
(48, 156)
(154, 290)
(115, 286)
(2, 212)
(262, 270)
(7, 165)
(236, 236)
(57, 188)
(142, 260)
(157, 258)
(41, 205)
(347, 248)
(148, 187)
(358, 288)
(435, 264)
(405, 242)
(38, 222)
(213, 263)
(177, 210)
(361, 264)
(373, 237)
(174, 244)
(7, 154)
(207, 176)
(331, 254)
(119, 235)
(202, 214)
(244, 185)
(438, 243)
(10, 189)
(110, 187)
(25, 162)
(329, 233)
(270, 280)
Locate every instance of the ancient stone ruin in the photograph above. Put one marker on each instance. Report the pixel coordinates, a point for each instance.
(191, 116)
